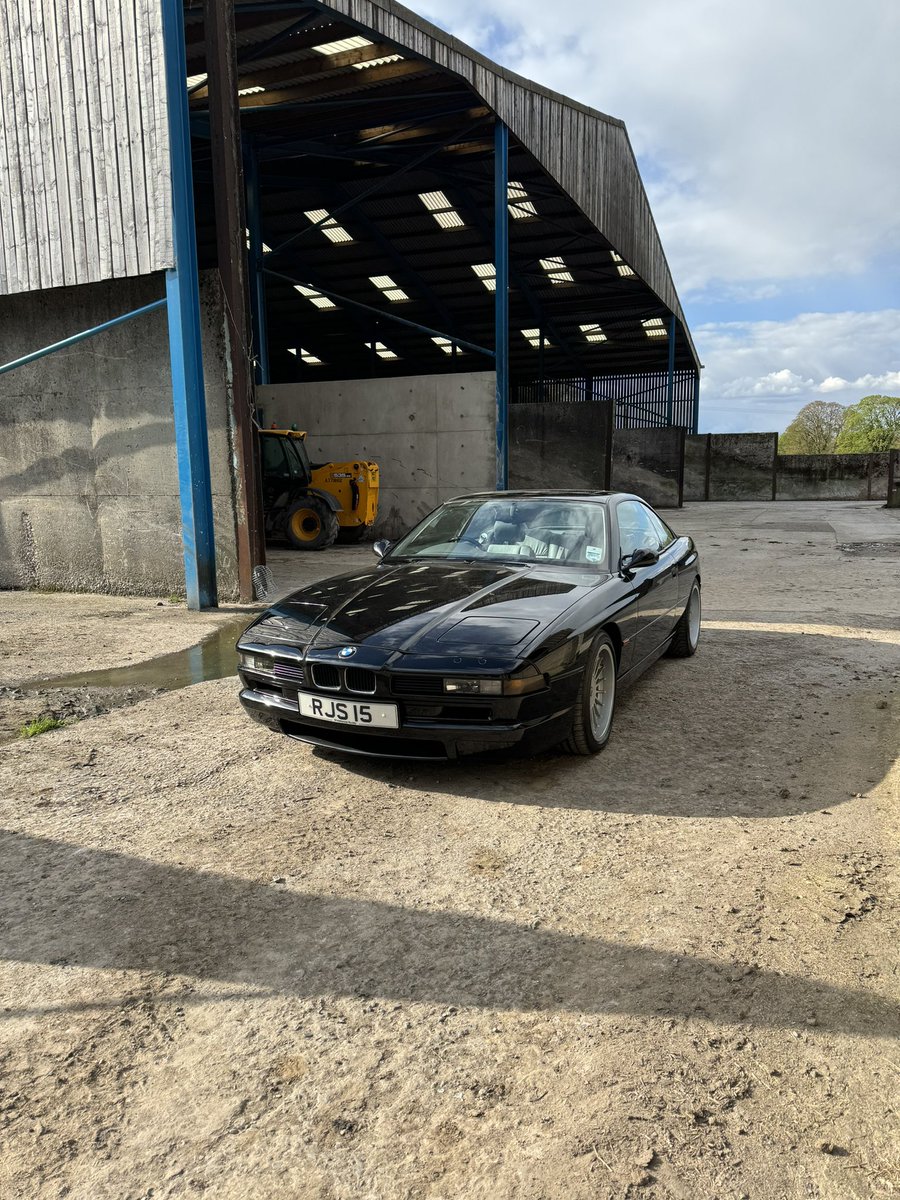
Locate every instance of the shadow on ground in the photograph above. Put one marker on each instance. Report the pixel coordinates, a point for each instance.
(73, 906)
(760, 723)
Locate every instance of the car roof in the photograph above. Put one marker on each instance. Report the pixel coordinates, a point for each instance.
(561, 494)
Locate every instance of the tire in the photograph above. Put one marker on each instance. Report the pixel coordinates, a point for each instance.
(310, 524)
(350, 534)
(687, 631)
(592, 725)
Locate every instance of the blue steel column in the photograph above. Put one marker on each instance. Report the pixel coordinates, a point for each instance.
(183, 294)
(670, 386)
(501, 298)
(257, 275)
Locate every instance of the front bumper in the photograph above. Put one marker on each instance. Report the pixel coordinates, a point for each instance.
(528, 724)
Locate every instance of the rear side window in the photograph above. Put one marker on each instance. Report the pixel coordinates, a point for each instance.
(638, 528)
(665, 534)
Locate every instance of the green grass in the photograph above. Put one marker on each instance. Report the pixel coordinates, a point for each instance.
(41, 725)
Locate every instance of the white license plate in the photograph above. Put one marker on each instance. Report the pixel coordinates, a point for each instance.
(348, 712)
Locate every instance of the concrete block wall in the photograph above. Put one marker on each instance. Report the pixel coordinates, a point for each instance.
(729, 466)
(560, 445)
(649, 463)
(832, 476)
(433, 436)
(88, 474)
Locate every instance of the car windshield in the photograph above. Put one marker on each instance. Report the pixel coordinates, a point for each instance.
(571, 532)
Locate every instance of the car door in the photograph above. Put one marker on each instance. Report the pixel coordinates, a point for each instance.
(656, 584)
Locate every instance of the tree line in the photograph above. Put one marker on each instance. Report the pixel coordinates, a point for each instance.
(824, 427)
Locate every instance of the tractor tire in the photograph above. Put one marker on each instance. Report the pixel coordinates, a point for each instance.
(310, 524)
(351, 534)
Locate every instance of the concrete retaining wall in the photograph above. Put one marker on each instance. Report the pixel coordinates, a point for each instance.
(729, 466)
(88, 476)
(832, 476)
(431, 435)
(650, 463)
(560, 445)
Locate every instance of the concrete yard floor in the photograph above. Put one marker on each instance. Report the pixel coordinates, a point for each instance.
(236, 967)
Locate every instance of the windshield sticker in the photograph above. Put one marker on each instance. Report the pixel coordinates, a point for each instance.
(594, 554)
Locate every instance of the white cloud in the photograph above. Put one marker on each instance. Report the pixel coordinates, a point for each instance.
(760, 373)
(767, 132)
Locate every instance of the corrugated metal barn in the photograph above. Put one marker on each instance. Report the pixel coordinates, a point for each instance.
(334, 215)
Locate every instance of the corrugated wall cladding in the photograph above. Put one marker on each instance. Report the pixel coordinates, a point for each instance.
(586, 152)
(84, 153)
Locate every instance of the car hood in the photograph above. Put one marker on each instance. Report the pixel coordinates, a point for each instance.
(431, 609)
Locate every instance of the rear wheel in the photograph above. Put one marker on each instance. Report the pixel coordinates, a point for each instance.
(687, 631)
(311, 524)
(352, 533)
(594, 709)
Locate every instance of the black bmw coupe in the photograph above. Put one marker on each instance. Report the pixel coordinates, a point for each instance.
(504, 619)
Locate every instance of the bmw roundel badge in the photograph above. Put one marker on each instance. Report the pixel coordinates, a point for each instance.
(346, 652)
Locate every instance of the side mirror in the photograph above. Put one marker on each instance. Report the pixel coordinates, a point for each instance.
(381, 547)
(644, 557)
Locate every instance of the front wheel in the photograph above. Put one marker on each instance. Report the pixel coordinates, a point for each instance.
(594, 709)
(311, 524)
(687, 631)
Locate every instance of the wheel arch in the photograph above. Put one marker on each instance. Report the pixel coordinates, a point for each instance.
(612, 631)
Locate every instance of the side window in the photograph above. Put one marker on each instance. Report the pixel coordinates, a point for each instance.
(663, 532)
(273, 457)
(636, 529)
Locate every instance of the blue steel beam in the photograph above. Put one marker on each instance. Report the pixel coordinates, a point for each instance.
(257, 278)
(501, 298)
(474, 210)
(80, 337)
(183, 294)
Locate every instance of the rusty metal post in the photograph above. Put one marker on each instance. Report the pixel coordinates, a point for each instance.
(228, 174)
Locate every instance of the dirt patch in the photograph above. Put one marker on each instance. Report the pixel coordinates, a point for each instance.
(18, 706)
(235, 966)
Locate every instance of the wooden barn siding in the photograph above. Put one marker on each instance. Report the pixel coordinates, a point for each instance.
(84, 157)
(586, 152)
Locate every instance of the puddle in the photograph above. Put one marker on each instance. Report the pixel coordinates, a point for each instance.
(213, 658)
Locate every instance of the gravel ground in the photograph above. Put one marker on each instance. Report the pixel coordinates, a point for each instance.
(236, 966)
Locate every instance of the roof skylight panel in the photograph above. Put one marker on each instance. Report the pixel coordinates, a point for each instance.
(487, 273)
(520, 206)
(533, 337)
(382, 350)
(328, 225)
(655, 327)
(390, 289)
(338, 47)
(447, 345)
(314, 297)
(593, 333)
(621, 265)
(557, 271)
(306, 355)
(378, 62)
(440, 207)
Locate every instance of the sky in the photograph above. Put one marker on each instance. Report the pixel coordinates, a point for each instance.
(768, 139)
